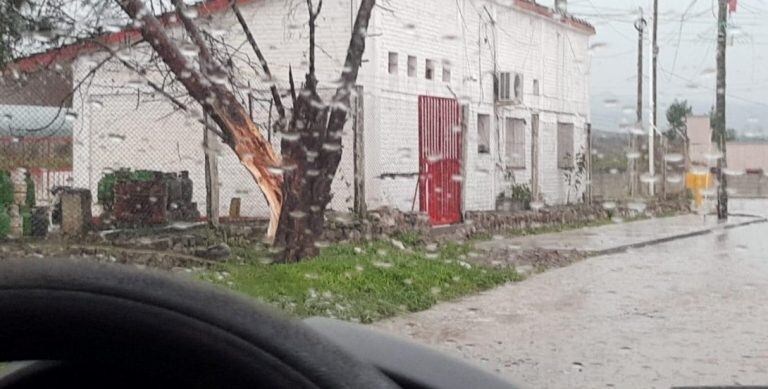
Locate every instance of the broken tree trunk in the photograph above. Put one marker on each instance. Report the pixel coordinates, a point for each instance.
(238, 130)
(312, 148)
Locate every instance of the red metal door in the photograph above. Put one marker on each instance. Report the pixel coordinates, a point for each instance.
(440, 159)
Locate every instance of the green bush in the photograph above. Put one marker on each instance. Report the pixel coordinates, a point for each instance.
(105, 194)
(521, 192)
(5, 222)
(106, 187)
(6, 189)
(26, 220)
(29, 200)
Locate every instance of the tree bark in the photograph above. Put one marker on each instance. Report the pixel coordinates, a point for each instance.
(313, 148)
(239, 131)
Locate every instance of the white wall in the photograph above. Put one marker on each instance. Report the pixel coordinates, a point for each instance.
(458, 32)
(153, 135)
(542, 48)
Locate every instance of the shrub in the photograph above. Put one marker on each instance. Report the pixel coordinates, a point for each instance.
(6, 189)
(5, 222)
(521, 192)
(29, 200)
(106, 187)
(26, 220)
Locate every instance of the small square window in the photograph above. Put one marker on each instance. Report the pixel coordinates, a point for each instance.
(411, 66)
(536, 87)
(393, 57)
(446, 71)
(429, 70)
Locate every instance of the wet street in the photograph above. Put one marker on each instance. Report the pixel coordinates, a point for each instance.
(687, 312)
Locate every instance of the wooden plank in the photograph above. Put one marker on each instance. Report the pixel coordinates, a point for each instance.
(234, 208)
(210, 146)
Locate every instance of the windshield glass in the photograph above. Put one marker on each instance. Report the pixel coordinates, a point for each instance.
(568, 193)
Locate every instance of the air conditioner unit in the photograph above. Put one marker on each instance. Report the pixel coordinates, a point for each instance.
(509, 88)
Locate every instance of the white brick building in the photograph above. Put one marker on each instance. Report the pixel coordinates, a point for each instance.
(445, 49)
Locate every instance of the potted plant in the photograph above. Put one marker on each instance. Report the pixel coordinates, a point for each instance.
(517, 197)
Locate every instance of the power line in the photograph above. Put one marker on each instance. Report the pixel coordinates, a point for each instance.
(746, 100)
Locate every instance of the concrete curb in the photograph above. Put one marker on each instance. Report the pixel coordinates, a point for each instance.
(621, 249)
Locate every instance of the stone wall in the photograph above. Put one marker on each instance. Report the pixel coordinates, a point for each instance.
(748, 186)
(498, 222)
(382, 222)
(388, 222)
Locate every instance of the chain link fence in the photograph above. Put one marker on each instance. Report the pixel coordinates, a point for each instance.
(134, 152)
(35, 147)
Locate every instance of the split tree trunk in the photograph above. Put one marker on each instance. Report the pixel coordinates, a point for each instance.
(238, 130)
(312, 149)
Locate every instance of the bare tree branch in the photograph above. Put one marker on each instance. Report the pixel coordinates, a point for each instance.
(241, 134)
(209, 63)
(292, 84)
(263, 61)
(71, 93)
(138, 71)
(352, 63)
(311, 76)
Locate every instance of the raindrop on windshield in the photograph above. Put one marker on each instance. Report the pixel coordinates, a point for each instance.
(597, 46)
(116, 138)
(713, 156)
(190, 12)
(674, 179)
(699, 170)
(673, 158)
(97, 104)
(648, 178)
(297, 214)
(382, 264)
(637, 206)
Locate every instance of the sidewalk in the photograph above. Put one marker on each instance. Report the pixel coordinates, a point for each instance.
(621, 236)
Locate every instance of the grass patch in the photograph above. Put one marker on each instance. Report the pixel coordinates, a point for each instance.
(361, 283)
(561, 227)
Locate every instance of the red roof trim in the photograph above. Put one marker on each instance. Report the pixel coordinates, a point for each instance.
(532, 6)
(72, 51)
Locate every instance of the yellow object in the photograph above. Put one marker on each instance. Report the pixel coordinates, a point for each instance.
(696, 183)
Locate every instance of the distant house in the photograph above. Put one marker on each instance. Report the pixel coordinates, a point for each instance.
(457, 100)
(35, 131)
(740, 155)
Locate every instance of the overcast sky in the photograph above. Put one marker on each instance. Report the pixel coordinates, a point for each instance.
(687, 44)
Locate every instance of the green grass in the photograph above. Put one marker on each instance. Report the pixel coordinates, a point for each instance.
(561, 227)
(361, 283)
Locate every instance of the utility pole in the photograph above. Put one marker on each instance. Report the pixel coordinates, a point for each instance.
(654, 116)
(640, 25)
(719, 125)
